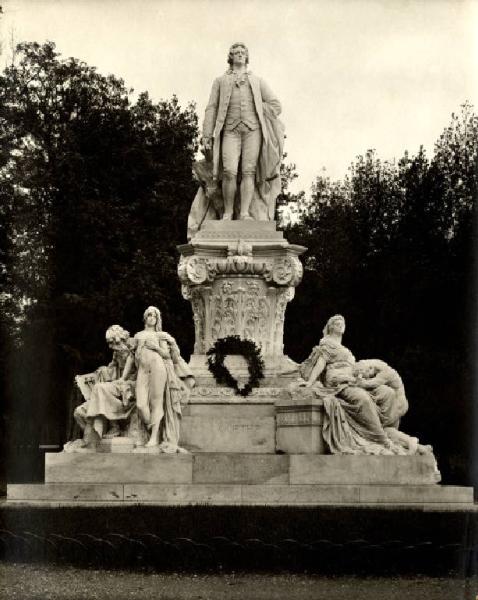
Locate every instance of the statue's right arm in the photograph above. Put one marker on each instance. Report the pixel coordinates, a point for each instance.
(211, 111)
(127, 367)
(317, 370)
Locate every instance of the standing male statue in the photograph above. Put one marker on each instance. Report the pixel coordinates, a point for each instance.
(246, 139)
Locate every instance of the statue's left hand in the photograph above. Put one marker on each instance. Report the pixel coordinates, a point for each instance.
(151, 346)
(207, 143)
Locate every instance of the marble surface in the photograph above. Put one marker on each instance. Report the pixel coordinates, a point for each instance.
(241, 468)
(239, 277)
(339, 468)
(75, 494)
(230, 434)
(118, 468)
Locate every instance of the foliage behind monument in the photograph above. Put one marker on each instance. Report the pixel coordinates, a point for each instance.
(391, 246)
(95, 193)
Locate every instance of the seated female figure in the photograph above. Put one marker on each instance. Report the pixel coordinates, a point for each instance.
(352, 423)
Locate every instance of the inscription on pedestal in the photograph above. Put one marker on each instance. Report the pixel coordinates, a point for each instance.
(298, 418)
(299, 426)
(232, 434)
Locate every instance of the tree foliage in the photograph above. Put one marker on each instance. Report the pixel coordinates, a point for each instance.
(391, 248)
(287, 202)
(95, 190)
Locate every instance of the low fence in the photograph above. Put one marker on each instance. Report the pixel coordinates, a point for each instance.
(201, 538)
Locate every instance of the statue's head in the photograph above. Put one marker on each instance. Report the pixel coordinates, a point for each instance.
(368, 367)
(230, 56)
(150, 314)
(335, 324)
(116, 336)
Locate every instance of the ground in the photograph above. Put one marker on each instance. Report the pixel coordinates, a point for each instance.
(40, 582)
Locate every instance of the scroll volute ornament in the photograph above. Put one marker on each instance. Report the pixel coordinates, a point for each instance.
(287, 271)
(196, 270)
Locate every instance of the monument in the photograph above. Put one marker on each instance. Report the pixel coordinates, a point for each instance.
(241, 423)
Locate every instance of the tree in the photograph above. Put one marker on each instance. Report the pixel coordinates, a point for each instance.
(391, 247)
(287, 202)
(96, 189)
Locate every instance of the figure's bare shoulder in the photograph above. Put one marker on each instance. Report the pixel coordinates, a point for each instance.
(143, 335)
(163, 336)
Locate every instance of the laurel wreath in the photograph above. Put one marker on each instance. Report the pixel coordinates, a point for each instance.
(233, 344)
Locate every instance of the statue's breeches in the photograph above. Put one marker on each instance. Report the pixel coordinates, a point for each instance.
(241, 141)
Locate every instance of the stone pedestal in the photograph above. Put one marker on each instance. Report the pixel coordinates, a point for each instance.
(225, 427)
(219, 420)
(239, 277)
(299, 422)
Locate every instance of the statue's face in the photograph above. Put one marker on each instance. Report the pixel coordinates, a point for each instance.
(365, 371)
(239, 56)
(337, 326)
(369, 372)
(116, 344)
(151, 319)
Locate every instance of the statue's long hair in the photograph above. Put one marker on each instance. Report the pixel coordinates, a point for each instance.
(156, 311)
(231, 49)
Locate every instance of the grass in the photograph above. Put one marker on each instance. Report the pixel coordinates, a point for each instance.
(46, 582)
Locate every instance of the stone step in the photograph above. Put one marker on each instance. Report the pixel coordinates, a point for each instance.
(216, 494)
(323, 468)
(241, 468)
(238, 468)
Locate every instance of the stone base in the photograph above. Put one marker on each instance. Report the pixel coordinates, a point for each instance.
(222, 468)
(240, 478)
(451, 497)
(117, 468)
(373, 470)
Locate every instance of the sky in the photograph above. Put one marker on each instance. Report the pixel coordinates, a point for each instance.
(350, 74)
